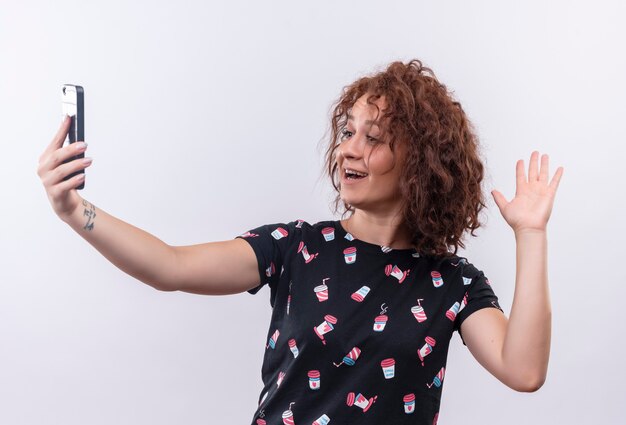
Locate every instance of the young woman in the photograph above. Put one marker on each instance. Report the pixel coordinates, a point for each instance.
(364, 307)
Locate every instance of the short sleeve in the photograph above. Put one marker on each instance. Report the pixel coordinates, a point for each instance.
(479, 294)
(270, 243)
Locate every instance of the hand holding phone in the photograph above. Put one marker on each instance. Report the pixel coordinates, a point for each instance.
(73, 101)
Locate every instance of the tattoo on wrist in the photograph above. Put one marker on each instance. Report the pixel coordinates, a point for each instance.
(90, 213)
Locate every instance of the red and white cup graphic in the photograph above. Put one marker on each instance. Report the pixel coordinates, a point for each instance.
(360, 400)
(350, 358)
(329, 233)
(325, 327)
(299, 223)
(453, 311)
(437, 280)
(314, 379)
(270, 270)
(322, 420)
(279, 233)
(260, 422)
(409, 403)
(281, 376)
(386, 249)
(389, 368)
(288, 303)
(360, 295)
(288, 417)
(380, 322)
(273, 339)
(438, 380)
(418, 313)
(305, 253)
(293, 347)
(350, 255)
(426, 349)
(349, 236)
(436, 418)
(466, 280)
(322, 292)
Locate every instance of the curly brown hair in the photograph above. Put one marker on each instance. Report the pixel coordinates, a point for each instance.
(442, 172)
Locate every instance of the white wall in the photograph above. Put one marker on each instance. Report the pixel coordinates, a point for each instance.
(204, 121)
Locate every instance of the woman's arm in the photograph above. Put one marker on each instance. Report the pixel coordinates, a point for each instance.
(517, 350)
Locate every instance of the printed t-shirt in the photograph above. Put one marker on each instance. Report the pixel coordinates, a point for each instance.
(359, 333)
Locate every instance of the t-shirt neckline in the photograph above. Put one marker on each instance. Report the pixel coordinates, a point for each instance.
(342, 232)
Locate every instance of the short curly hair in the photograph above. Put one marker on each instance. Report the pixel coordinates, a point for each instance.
(442, 172)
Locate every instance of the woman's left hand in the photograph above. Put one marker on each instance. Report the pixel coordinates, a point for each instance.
(532, 205)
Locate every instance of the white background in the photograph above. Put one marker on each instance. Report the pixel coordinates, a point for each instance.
(206, 120)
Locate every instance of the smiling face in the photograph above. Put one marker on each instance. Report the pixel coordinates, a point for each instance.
(364, 148)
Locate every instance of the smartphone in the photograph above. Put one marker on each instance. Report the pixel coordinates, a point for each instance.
(73, 101)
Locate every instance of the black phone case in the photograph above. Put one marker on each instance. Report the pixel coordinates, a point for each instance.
(77, 131)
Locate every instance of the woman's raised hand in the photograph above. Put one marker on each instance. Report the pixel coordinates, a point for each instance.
(62, 194)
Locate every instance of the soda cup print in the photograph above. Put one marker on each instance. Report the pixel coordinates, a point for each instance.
(325, 327)
(463, 302)
(360, 295)
(361, 401)
(418, 311)
(380, 322)
(409, 403)
(260, 422)
(466, 281)
(314, 379)
(305, 253)
(293, 347)
(436, 418)
(437, 280)
(281, 376)
(321, 291)
(288, 303)
(288, 416)
(273, 339)
(396, 272)
(385, 249)
(270, 270)
(299, 223)
(453, 311)
(279, 233)
(349, 236)
(438, 380)
(329, 233)
(389, 368)
(350, 255)
(426, 349)
(350, 358)
(322, 420)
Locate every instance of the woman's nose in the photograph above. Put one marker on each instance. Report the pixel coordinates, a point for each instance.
(352, 147)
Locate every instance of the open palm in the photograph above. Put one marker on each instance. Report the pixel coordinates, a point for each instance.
(531, 207)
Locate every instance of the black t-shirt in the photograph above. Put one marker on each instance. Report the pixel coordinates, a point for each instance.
(359, 333)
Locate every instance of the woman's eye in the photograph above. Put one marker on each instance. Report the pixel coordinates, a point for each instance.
(345, 133)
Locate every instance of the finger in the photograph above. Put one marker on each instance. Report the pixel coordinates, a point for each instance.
(543, 174)
(499, 199)
(59, 137)
(520, 176)
(554, 184)
(57, 158)
(532, 167)
(56, 175)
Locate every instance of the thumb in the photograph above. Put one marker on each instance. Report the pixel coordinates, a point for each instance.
(499, 198)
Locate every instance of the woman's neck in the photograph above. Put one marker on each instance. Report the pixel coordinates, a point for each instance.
(384, 231)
